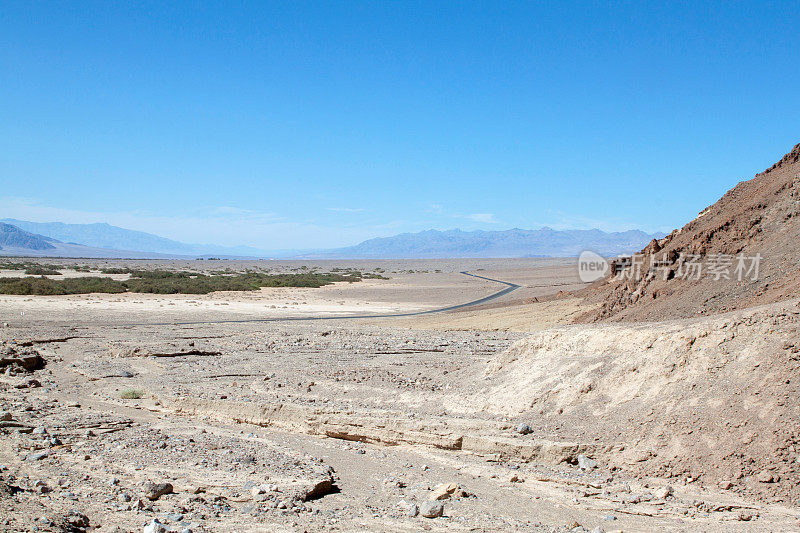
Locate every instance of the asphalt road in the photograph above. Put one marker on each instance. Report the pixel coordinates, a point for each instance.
(510, 287)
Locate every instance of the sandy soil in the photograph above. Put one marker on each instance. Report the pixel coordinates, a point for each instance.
(354, 425)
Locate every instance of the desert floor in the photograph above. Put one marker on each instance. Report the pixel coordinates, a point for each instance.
(328, 424)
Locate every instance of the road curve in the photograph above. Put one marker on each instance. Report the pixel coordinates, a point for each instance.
(510, 287)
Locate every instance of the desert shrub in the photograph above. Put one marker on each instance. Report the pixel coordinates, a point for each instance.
(131, 394)
(114, 270)
(41, 270)
(45, 286)
(167, 282)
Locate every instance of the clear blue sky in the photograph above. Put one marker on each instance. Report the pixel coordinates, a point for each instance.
(296, 125)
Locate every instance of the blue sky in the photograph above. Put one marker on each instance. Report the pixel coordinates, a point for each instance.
(317, 124)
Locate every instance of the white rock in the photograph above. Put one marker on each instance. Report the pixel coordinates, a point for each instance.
(155, 527)
(663, 492)
(585, 463)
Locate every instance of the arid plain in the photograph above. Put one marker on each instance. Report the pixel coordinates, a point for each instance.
(273, 411)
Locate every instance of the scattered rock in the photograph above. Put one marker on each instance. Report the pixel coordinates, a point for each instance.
(5, 416)
(431, 509)
(27, 363)
(74, 522)
(154, 491)
(38, 456)
(767, 477)
(28, 384)
(725, 485)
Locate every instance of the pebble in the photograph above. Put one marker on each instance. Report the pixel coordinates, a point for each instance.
(663, 492)
(36, 456)
(523, 429)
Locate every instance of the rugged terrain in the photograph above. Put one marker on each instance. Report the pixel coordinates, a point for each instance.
(758, 216)
(116, 415)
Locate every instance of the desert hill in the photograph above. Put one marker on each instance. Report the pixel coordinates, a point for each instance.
(13, 237)
(758, 216)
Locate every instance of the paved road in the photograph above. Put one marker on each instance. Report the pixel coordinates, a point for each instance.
(510, 287)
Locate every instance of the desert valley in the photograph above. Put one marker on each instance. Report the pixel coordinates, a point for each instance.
(545, 404)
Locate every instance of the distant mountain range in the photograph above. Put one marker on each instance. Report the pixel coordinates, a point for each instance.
(102, 235)
(545, 242)
(19, 237)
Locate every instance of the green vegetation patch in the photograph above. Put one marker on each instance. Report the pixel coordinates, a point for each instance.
(46, 286)
(131, 394)
(42, 270)
(179, 282)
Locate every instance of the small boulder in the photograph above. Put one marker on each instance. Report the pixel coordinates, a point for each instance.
(431, 509)
(74, 522)
(767, 477)
(444, 491)
(154, 491)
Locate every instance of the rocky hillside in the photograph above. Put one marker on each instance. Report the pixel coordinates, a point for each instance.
(710, 264)
(13, 237)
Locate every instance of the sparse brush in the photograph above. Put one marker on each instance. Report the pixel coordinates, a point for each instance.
(131, 394)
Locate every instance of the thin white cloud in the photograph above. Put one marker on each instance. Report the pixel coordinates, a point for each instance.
(483, 218)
